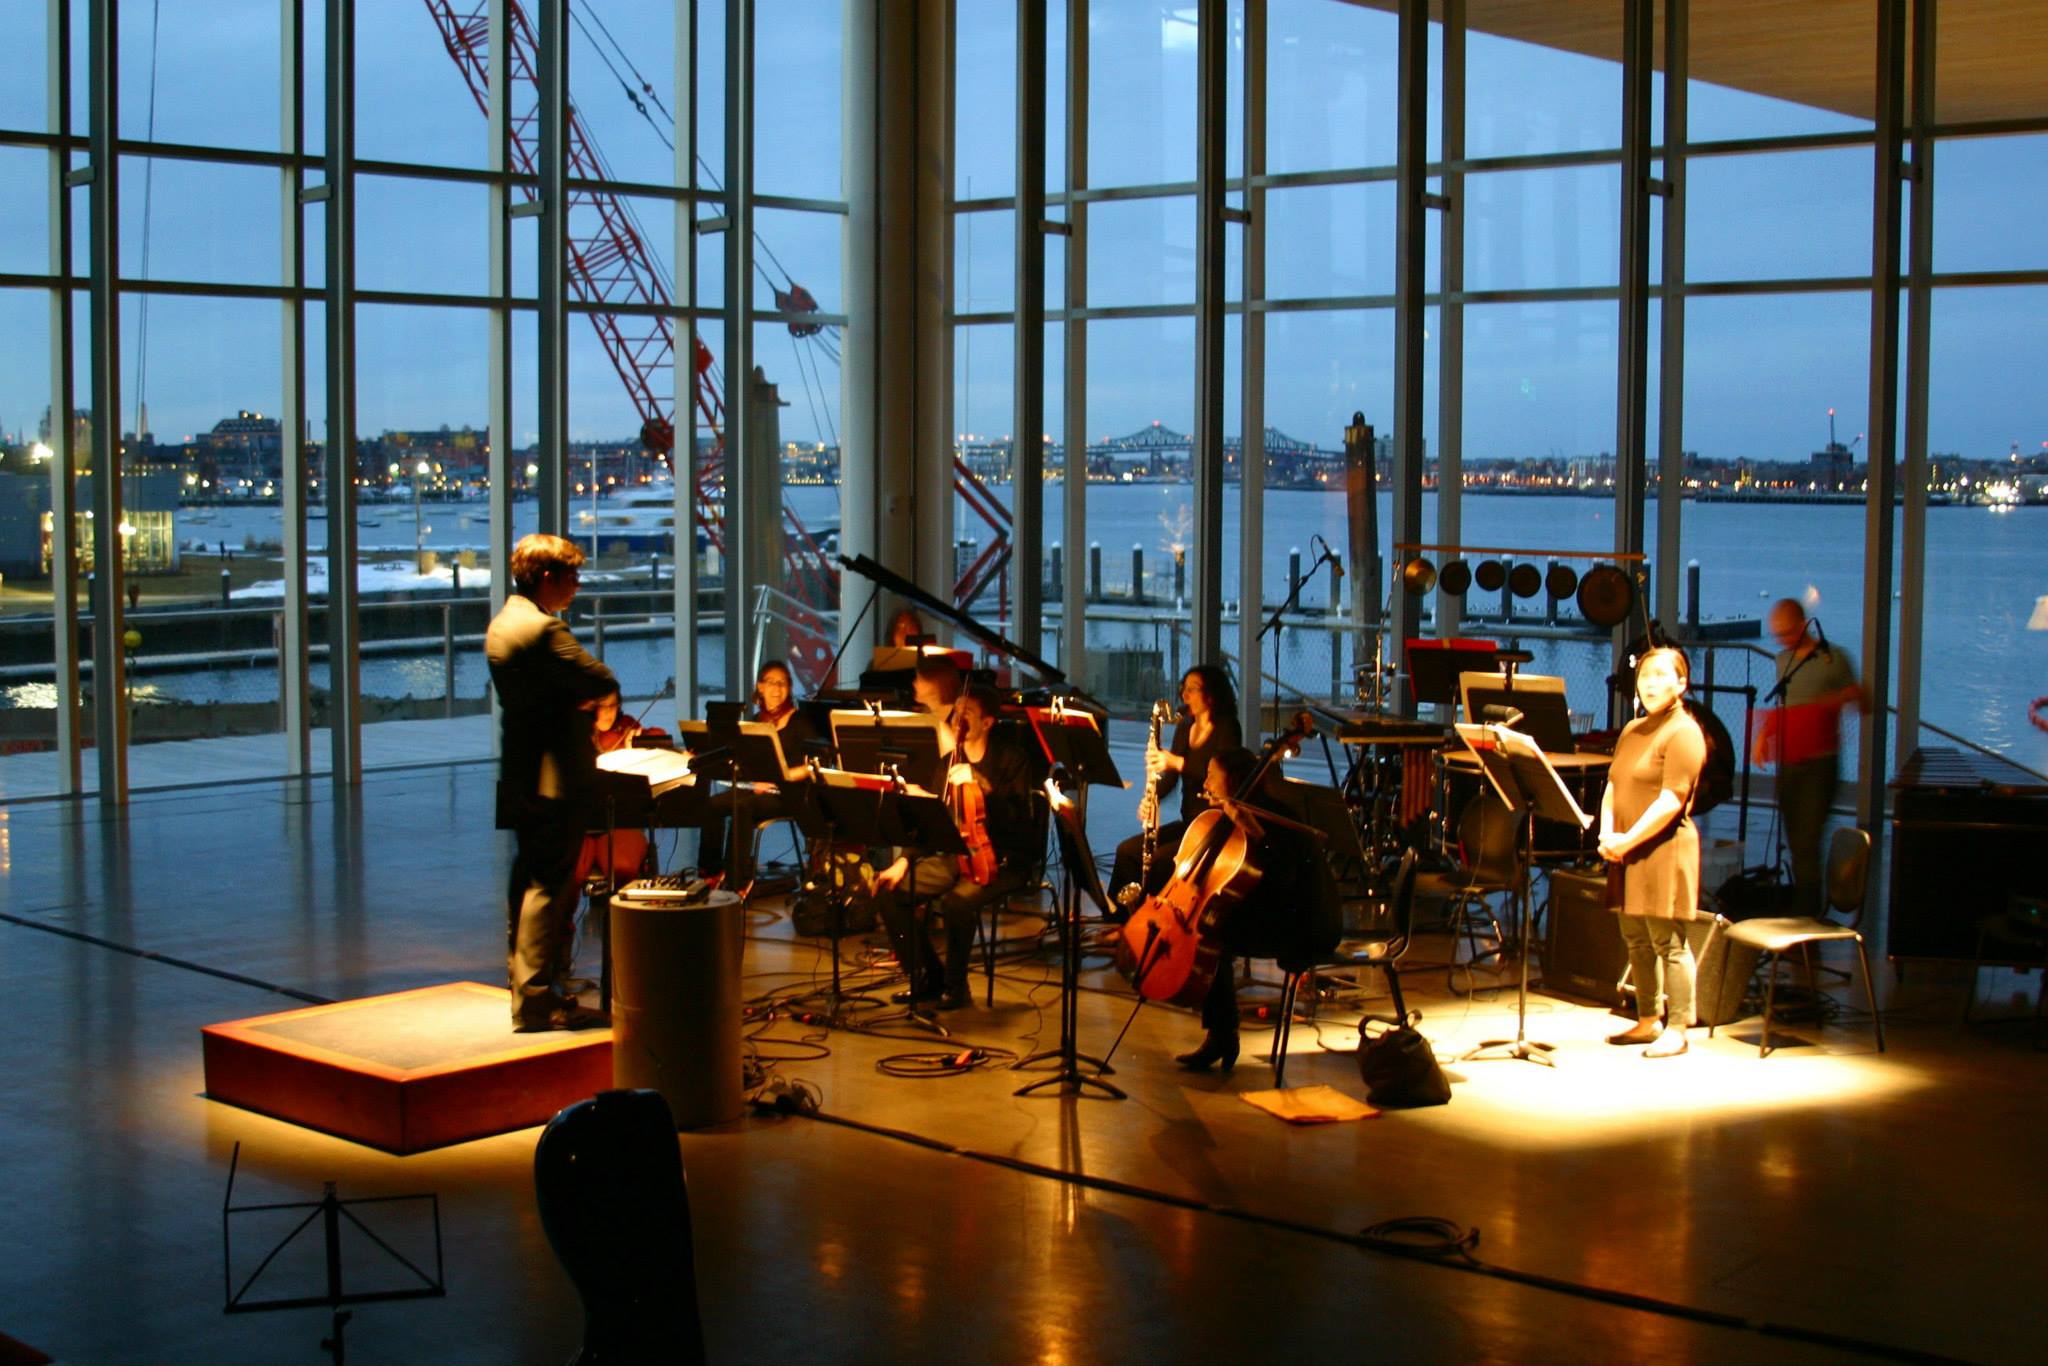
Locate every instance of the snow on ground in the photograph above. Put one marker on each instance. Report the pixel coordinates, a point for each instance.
(396, 577)
(400, 577)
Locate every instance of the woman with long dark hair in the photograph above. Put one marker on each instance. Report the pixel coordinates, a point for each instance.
(1208, 726)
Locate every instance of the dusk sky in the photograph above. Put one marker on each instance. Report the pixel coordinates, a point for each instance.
(1761, 371)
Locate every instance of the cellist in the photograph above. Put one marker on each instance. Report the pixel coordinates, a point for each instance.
(999, 775)
(1273, 916)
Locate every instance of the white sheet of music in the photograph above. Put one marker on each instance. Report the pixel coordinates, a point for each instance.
(662, 768)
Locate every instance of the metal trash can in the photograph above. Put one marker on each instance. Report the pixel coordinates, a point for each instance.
(676, 1004)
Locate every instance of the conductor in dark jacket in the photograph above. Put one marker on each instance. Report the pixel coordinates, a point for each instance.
(548, 687)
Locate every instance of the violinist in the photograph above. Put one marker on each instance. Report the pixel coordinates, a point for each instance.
(749, 804)
(999, 774)
(936, 688)
(612, 729)
(1208, 726)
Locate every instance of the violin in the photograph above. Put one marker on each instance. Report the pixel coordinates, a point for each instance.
(1169, 947)
(970, 814)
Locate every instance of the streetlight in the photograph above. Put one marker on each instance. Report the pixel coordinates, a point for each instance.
(419, 562)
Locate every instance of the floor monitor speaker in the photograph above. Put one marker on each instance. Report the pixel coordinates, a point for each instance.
(1585, 959)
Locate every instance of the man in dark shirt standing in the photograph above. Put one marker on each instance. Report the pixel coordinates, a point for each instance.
(1803, 737)
(548, 688)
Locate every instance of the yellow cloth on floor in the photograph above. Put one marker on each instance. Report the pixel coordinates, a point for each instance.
(1309, 1104)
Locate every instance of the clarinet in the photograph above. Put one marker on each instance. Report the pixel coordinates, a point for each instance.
(1133, 894)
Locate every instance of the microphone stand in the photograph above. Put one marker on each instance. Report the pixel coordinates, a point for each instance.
(1294, 587)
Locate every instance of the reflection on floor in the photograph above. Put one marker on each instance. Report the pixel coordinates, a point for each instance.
(1886, 1199)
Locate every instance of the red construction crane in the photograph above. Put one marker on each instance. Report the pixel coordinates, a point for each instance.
(609, 264)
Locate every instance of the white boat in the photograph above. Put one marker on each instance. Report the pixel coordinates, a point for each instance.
(639, 520)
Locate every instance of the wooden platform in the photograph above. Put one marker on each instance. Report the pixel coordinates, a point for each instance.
(405, 1072)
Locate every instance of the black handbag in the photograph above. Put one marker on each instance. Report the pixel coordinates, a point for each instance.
(1399, 1067)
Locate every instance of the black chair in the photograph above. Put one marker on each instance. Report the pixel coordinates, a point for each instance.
(608, 1178)
(1847, 880)
(1032, 881)
(1382, 944)
(1488, 866)
(796, 837)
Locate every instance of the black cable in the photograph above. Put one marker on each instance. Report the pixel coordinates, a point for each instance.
(951, 1063)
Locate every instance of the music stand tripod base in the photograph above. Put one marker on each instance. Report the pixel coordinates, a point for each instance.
(1078, 863)
(1528, 784)
(1070, 1079)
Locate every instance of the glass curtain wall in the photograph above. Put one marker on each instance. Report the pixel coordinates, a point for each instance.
(1758, 383)
(982, 568)
(221, 307)
(1326, 204)
(1774, 288)
(799, 311)
(1984, 638)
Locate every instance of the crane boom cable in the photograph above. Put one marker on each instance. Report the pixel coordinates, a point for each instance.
(667, 135)
(148, 192)
(668, 141)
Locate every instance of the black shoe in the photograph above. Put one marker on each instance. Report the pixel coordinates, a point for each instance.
(1215, 1048)
(563, 1017)
(956, 998)
(914, 998)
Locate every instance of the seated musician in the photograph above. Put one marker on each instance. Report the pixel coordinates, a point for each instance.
(906, 628)
(612, 729)
(1208, 725)
(733, 814)
(596, 868)
(1281, 913)
(936, 688)
(999, 770)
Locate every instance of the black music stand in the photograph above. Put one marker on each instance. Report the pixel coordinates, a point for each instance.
(1072, 740)
(1076, 753)
(1522, 774)
(1080, 759)
(1434, 666)
(918, 823)
(757, 761)
(1080, 880)
(709, 746)
(907, 745)
(828, 814)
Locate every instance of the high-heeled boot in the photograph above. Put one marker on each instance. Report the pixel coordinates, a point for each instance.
(1216, 1047)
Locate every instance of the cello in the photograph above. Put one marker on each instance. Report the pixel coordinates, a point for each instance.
(1168, 949)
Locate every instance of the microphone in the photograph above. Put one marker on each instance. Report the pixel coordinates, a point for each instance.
(1822, 636)
(1506, 716)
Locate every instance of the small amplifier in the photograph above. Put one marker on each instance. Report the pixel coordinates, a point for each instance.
(1585, 959)
(1583, 956)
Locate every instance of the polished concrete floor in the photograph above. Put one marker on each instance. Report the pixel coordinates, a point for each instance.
(1890, 1203)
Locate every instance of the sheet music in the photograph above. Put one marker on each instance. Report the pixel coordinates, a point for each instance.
(664, 769)
(1522, 753)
